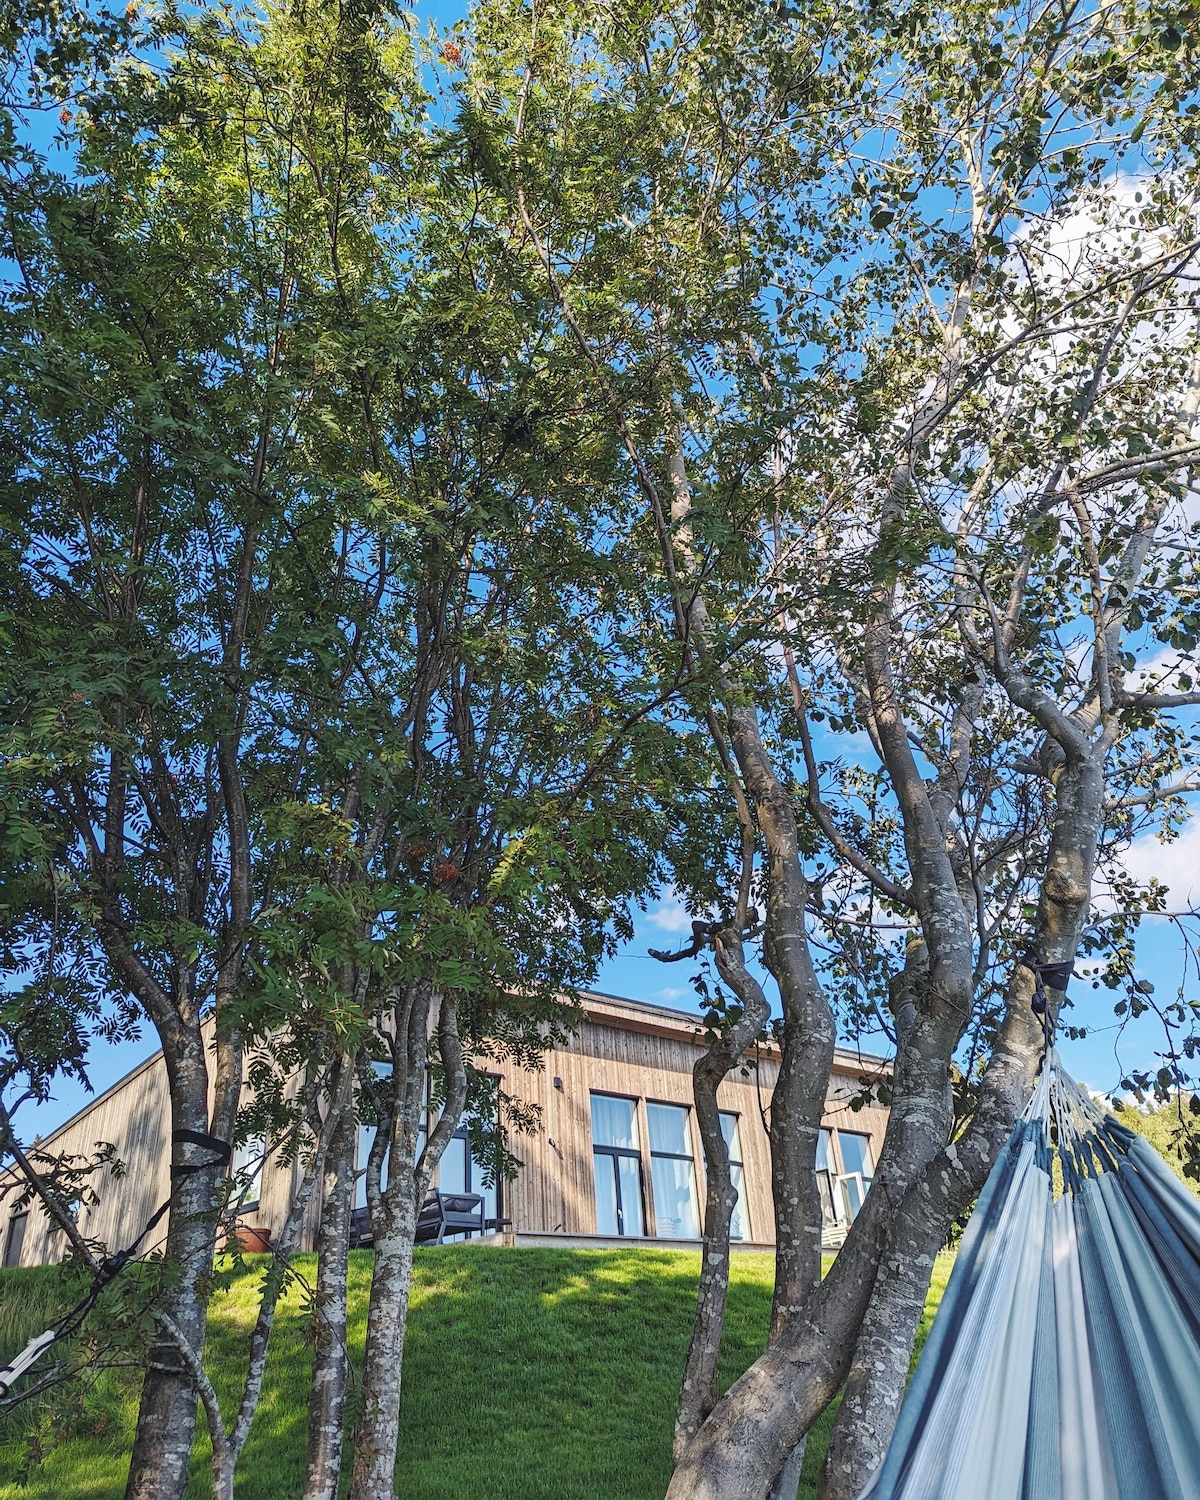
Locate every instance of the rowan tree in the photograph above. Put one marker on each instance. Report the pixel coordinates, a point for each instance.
(321, 730)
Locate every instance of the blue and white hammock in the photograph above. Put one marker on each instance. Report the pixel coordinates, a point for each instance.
(1064, 1361)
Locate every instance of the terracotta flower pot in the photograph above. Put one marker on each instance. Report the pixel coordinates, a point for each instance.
(253, 1241)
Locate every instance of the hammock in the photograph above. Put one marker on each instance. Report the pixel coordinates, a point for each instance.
(1064, 1361)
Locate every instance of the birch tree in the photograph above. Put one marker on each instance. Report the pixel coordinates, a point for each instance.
(807, 403)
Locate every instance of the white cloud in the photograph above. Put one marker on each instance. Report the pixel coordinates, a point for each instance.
(671, 915)
(1176, 865)
(670, 993)
(1160, 674)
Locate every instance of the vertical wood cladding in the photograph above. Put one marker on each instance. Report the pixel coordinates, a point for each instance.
(645, 1054)
(642, 1052)
(135, 1118)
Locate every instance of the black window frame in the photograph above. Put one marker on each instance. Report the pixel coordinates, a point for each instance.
(615, 1151)
(463, 1133)
(740, 1162)
(865, 1179)
(858, 1135)
(828, 1182)
(670, 1156)
(22, 1218)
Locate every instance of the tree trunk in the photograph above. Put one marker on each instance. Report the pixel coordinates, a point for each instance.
(394, 1213)
(387, 1316)
(878, 1377)
(225, 1464)
(697, 1391)
(795, 1129)
(757, 1424)
(809, 1029)
(327, 1399)
(753, 1429)
(932, 1001)
(918, 1128)
(162, 1447)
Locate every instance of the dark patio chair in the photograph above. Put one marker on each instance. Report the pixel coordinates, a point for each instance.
(449, 1213)
(362, 1236)
(443, 1214)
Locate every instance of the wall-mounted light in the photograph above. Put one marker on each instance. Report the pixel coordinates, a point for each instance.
(558, 1085)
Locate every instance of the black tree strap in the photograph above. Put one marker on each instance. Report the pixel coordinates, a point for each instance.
(112, 1265)
(222, 1152)
(1057, 976)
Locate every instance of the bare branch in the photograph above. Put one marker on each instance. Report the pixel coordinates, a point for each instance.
(821, 814)
(1158, 700)
(1190, 783)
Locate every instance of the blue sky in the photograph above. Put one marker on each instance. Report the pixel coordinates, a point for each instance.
(1099, 1060)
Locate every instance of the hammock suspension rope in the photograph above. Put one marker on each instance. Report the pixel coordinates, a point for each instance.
(113, 1265)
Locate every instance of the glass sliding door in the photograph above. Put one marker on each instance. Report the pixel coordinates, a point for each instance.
(672, 1172)
(459, 1171)
(616, 1156)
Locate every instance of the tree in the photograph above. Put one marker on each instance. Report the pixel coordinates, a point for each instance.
(169, 362)
(1003, 415)
(874, 448)
(450, 532)
(368, 775)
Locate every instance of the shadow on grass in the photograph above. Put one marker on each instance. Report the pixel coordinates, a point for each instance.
(533, 1374)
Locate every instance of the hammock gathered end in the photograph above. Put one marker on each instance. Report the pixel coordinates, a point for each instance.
(1064, 1360)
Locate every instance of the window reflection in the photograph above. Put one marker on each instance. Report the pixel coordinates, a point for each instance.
(845, 1168)
(857, 1170)
(618, 1166)
(739, 1223)
(672, 1172)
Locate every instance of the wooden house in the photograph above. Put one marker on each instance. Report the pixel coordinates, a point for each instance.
(617, 1156)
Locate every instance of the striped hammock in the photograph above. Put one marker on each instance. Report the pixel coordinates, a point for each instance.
(1064, 1361)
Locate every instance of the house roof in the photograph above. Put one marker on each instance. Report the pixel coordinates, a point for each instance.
(664, 1020)
(602, 1009)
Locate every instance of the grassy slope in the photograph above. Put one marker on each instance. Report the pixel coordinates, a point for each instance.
(529, 1375)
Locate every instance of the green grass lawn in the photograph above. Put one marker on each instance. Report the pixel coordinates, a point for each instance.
(529, 1375)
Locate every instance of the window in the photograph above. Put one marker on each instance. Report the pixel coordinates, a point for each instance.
(831, 1214)
(460, 1172)
(366, 1138)
(618, 1163)
(739, 1224)
(246, 1170)
(672, 1172)
(856, 1154)
(857, 1169)
(73, 1207)
(16, 1240)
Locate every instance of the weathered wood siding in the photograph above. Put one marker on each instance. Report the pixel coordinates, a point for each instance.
(134, 1116)
(641, 1052)
(646, 1054)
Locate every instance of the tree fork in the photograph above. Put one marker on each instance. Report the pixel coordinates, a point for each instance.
(698, 1388)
